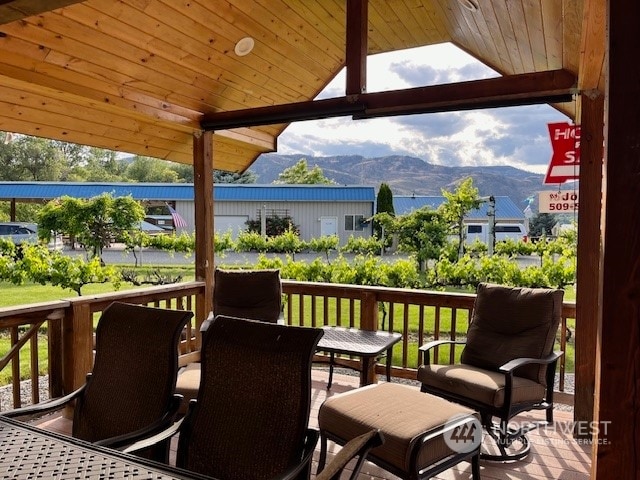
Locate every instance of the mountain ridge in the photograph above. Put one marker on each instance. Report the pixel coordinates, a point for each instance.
(407, 175)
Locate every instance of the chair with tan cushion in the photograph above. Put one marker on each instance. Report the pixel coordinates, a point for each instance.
(130, 392)
(252, 294)
(507, 365)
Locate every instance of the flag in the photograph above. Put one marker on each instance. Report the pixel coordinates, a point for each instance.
(178, 221)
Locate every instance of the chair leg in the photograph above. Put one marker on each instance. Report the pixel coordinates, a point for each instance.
(504, 439)
(475, 466)
(550, 414)
(331, 360)
(322, 459)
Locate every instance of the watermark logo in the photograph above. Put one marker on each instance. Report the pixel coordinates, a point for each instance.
(462, 433)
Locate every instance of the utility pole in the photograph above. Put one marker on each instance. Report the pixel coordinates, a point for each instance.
(491, 213)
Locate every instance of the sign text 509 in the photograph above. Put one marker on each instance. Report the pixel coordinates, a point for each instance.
(564, 207)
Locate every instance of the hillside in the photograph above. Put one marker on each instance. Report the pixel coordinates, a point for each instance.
(408, 175)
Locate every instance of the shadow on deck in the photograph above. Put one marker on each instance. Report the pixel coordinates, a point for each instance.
(554, 452)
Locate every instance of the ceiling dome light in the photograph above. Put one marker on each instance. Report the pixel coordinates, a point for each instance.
(470, 5)
(244, 46)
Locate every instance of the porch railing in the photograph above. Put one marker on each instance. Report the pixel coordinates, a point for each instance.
(64, 329)
(419, 315)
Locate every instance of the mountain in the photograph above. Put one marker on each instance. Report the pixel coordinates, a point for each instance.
(407, 175)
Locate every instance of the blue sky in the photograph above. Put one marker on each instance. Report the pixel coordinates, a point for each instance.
(515, 136)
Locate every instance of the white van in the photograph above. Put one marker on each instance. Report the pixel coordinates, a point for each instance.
(480, 231)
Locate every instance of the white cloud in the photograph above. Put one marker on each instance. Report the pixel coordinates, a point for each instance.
(515, 136)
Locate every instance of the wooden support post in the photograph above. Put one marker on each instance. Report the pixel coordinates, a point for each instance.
(369, 321)
(615, 452)
(588, 268)
(357, 49)
(56, 352)
(77, 341)
(203, 196)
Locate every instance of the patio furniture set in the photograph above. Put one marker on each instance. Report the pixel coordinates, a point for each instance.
(249, 397)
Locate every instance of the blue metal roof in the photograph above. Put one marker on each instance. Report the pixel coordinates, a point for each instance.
(293, 193)
(184, 191)
(139, 191)
(505, 208)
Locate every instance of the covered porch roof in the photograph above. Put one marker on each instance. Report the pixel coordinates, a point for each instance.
(144, 76)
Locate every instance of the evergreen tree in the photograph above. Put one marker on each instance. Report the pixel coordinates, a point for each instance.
(384, 204)
(542, 224)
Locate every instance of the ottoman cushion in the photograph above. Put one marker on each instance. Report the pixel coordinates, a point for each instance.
(402, 413)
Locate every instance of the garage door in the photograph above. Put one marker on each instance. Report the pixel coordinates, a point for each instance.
(230, 223)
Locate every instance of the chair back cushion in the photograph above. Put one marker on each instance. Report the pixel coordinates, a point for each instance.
(134, 373)
(513, 322)
(253, 294)
(252, 411)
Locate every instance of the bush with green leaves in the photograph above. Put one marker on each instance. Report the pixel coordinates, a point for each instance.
(325, 244)
(250, 242)
(362, 245)
(38, 264)
(288, 242)
(275, 225)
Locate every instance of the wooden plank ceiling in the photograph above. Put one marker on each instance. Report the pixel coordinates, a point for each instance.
(138, 75)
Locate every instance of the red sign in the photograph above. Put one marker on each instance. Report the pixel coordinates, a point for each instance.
(565, 162)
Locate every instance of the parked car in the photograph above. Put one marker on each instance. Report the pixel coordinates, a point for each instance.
(24, 232)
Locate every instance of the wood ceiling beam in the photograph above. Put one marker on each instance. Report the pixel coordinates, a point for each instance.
(12, 10)
(357, 46)
(525, 89)
(593, 46)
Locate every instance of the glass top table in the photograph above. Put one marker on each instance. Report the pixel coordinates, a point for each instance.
(366, 344)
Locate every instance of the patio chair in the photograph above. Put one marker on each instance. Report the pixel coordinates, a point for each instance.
(357, 447)
(252, 294)
(250, 419)
(507, 365)
(130, 392)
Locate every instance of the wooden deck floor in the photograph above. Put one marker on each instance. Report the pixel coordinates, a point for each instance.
(554, 452)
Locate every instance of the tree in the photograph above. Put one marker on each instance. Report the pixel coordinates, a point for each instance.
(94, 222)
(300, 174)
(384, 204)
(220, 176)
(456, 206)
(146, 169)
(541, 224)
(26, 158)
(422, 232)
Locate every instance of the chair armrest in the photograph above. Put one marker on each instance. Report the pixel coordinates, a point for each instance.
(310, 440)
(511, 365)
(435, 343)
(123, 441)
(44, 407)
(154, 439)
